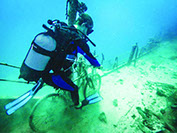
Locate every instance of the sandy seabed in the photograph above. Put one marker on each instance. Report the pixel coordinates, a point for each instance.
(136, 99)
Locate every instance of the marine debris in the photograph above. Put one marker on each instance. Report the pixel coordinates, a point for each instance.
(161, 93)
(153, 43)
(115, 103)
(116, 63)
(173, 58)
(163, 86)
(102, 60)
(150, 121)
(133, 54)
(168, 115)
(121, 81)
(174, 75)
(172, 99)
(102, 117)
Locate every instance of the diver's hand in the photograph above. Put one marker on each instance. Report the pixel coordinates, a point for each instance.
(100, 67)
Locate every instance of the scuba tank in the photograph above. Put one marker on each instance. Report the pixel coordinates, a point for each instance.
(37, 58)
(42, 49)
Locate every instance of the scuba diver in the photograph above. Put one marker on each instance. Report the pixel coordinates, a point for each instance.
(52, 54)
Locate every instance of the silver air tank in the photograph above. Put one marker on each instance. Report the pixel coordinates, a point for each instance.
(38, 61)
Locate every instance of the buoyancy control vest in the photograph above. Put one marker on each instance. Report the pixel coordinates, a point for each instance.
(44, 47)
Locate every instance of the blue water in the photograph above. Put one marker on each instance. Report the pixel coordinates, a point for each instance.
(118, 24)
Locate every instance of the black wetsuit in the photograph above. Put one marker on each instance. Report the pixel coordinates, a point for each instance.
(61, 65)
(69, 43)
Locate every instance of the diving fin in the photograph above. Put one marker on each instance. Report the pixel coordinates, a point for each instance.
(22, 100)
(91, 99)
(95, 100)
(92, 96)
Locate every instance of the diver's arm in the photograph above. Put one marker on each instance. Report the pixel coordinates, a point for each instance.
(85, 51)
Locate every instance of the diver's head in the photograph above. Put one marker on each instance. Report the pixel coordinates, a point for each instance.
(84, 23)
